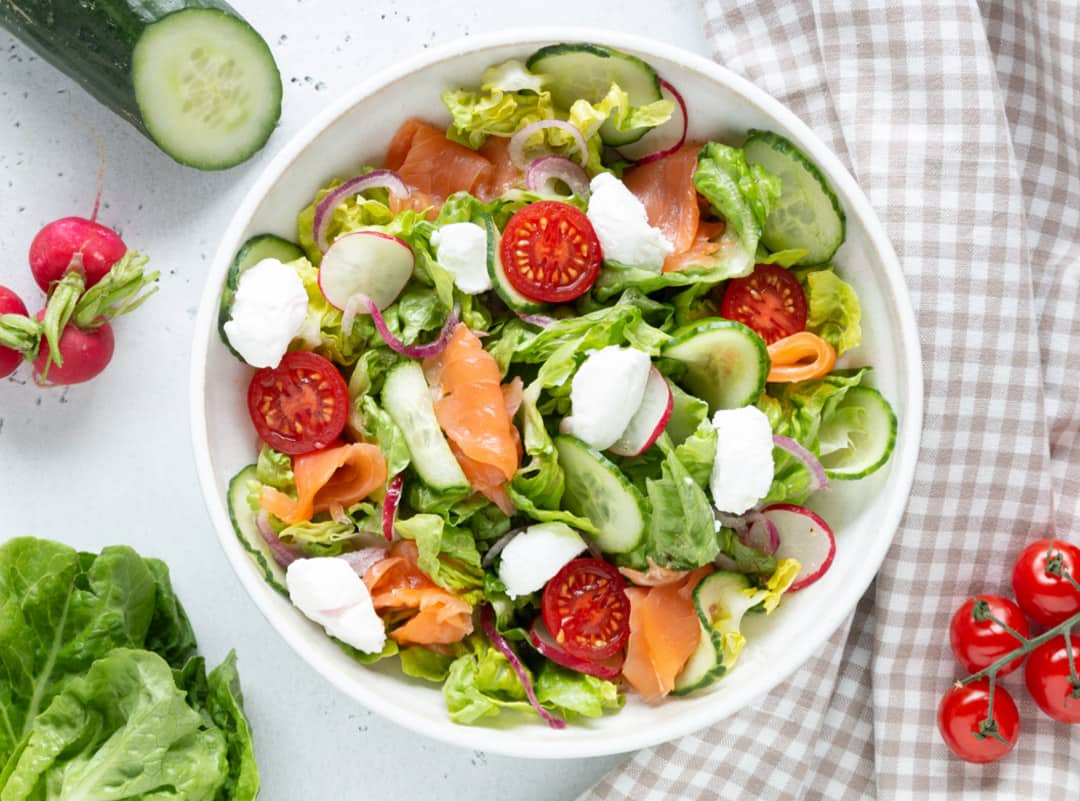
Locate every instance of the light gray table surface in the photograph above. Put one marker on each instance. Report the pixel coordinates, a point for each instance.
(110, 461)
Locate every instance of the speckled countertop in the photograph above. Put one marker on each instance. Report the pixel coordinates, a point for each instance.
(110, 461)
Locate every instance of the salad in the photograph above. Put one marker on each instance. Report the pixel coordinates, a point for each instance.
(541, 398)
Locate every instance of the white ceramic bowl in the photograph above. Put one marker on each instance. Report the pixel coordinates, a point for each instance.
(864, 514)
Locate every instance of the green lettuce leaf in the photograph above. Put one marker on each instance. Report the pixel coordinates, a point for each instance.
(170, 634)
(616, 278)
(539, 481)
(481, 683)
(833, 311)
(447, 554)
(352, 214)
(274, 469)
(421, 663)
(570, 694)
(475, 115)
(698, 452)
(747, 559)
(614, 107)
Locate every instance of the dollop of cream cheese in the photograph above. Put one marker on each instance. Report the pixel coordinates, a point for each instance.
(267, 313)
(329, 592)
(742, 470)
(605, 393)
(462, 249)
(534, 556)
(622, 225)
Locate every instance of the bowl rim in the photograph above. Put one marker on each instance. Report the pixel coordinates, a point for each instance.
(832, 615)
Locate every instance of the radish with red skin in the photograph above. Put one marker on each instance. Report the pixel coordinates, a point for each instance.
(805, 537)
(650, 420)
(86, 352)
(10, 303)
(74, 243)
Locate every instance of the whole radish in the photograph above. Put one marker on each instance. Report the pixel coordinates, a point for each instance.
(86, 352)
(74, 243)
(10, 303)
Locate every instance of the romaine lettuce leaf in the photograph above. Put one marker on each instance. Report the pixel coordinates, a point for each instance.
(833, 311)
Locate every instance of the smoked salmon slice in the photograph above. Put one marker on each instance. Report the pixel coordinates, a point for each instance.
(475, 412)
(335, 476)
(664, 632)
(401, 591)
(436, 167)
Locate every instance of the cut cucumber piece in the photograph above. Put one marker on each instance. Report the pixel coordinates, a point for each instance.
(703, 667)
(586, 71)
(726, 362)
(368, 263)
(598, 490)
(407, 399)
(808, 215)
(687, 412)
(243, 521)
(207, 87)
(503, 288)
(858, 436)
(263, 246)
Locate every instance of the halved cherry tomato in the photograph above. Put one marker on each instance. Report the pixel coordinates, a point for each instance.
(1045, 598)
(960, 716)
(769, 300)
(550, 252)
(299, 406)
(1050, 682)
(586, 609)
(980, 643)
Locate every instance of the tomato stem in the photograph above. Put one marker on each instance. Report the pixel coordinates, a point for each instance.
(1074, 680)
(1026, 648)
(988, 726)
(980, 611)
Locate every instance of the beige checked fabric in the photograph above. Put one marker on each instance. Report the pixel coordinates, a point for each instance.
(961, 121)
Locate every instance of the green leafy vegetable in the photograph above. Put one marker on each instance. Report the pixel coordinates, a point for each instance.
(481, 683)
(569, 693)
(833, 310)
(447, 554)
(274, 469)
(422, 663)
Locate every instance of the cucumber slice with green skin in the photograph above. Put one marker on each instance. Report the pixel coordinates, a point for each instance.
(858, 436)
(243, 521)
(407, 399)
(726, 362)
(503, 288)
(191, 75)
(263, 246)
(598, 490)
(587, 71)
(703, 667)
(808, 215)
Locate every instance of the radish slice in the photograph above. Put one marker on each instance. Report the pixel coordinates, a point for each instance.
(650, 420)
(496, 549)
(544, 171)
(426, 351)
(638, 152)
(386, 179)
(542, 641)
(517, 141)
(390, 505)
(818, 479)
(367, 263)
(487, 620)
(803, 536)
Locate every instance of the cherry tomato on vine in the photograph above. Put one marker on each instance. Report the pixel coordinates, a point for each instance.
(299, 406)
(586, 609)
(1045, 598)
(1050, 682)
(978, 644)
(550, 252)
(961, 717)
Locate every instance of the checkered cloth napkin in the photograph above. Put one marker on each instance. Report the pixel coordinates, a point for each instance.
(961, 122)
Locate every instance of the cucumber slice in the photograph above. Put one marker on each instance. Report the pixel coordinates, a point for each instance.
(587, 71)
(808, 215)
(726, 362)
(598, 490)
(207, 87)
(858, 436)
(503, 288)
(703, 667)
(243, 520)
(407, 399)
(263, 246)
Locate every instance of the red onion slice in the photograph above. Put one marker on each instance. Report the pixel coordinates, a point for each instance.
(539, 320)
(282, 553)
(487, 620)
(518, 140)
(384, 179)
(496, 549)
(426, 351)
(363, 559)
(818, 479)
(390, 505)
(762, 533)
(541, 639)
(667, 151)
(545, 170)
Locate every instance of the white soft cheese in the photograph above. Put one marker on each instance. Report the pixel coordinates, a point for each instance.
(535, 555)
(267, 313)
(622, 226)
(462, 249)
(743, 467)
(605, 393)
(329, 592)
